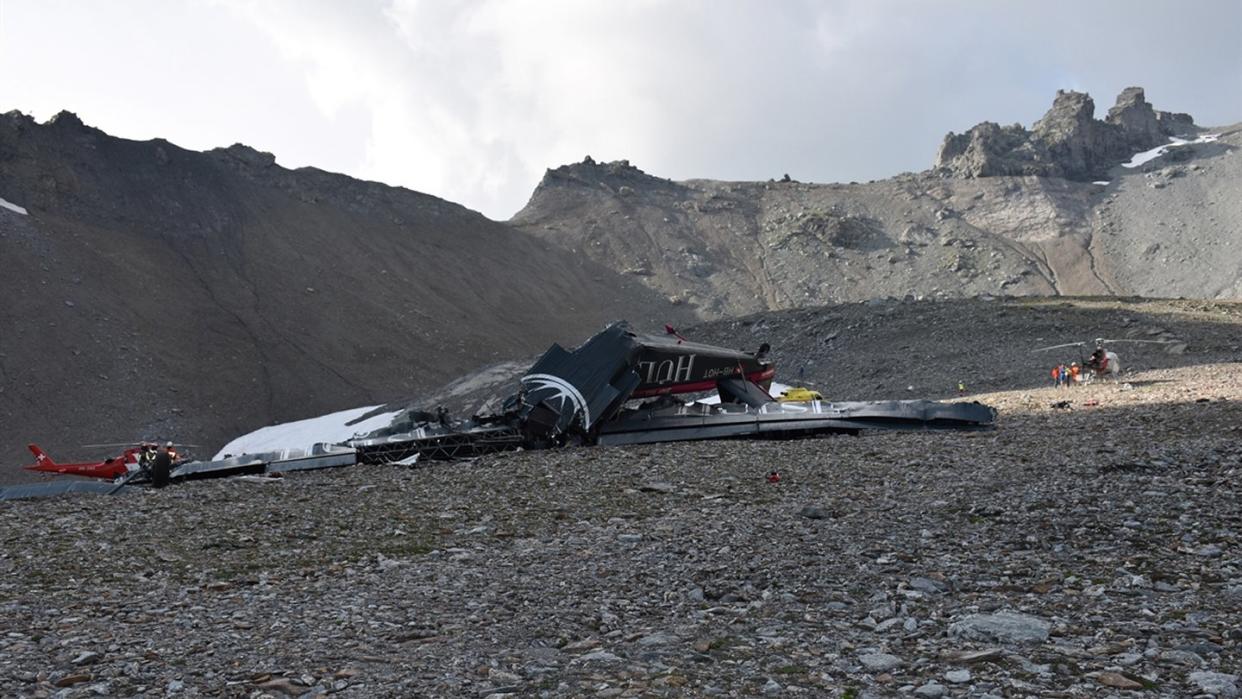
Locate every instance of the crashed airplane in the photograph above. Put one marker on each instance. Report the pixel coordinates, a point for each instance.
(593, 396)
(617, 388)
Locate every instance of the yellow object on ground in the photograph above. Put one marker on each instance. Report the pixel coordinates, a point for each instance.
(799, 394)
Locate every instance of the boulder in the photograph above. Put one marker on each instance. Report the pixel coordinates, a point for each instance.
(1136, 119)
(1002, 627)
(1218, 684)
(880, 662)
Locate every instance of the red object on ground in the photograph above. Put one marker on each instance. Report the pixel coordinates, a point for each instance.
(108, 468)
(671, 331)
(774, 477)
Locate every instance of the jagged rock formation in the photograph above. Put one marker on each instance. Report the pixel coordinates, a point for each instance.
(1001, 217)
(1067, 142)
(152, 290)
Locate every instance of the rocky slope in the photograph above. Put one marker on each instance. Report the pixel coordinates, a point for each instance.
(997, 216)
(889, 349)
(1085, 550)
(150, 291)
(886, 349)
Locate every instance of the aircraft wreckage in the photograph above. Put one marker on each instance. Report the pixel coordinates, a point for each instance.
(595, 395)
(617, 388)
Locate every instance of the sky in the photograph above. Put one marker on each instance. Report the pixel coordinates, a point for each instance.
(473, 100)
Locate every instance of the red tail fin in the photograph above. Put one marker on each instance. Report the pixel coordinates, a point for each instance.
(42, 461)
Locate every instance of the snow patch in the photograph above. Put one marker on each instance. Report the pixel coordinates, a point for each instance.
(6, 204)
(1101, 182)
(1174, 141)
(303, 434)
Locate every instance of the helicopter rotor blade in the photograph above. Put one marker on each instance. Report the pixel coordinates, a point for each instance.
(136, 443)
(1068, 344)
(1153, 342)
(110, 445)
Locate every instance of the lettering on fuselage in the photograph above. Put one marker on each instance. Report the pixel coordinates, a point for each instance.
(667, 371)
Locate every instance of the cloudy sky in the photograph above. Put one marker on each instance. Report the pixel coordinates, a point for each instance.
(472, 100)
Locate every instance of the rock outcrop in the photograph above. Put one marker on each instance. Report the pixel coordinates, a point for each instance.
(618, 177)
(1067, 142)
(1011, 210)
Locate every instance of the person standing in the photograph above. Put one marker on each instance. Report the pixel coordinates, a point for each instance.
(145, 456)
(161, 467)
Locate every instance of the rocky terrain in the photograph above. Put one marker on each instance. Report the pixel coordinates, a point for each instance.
(886, 349)
(1087, 547)
(155, 292)
(878, 350)
(1006, 213)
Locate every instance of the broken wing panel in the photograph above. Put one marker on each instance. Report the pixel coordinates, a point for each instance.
(789, 420)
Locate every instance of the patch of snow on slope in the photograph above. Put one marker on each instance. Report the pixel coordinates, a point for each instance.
(303, 434)
(1149, 155)
(6, 204)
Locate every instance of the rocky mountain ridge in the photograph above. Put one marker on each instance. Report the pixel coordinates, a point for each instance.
(1168, 227)
(1067, 142)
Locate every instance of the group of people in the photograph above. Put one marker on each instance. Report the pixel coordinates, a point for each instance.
(157, 461)
(1063, 375)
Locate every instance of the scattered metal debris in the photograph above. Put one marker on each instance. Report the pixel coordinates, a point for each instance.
(594, 395)
(591, 396)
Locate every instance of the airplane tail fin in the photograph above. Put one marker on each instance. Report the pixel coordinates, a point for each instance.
(43, 462)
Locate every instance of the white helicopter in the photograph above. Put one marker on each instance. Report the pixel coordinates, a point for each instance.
(1103, 362)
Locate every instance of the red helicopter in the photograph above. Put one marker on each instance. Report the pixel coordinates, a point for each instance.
(110, 468)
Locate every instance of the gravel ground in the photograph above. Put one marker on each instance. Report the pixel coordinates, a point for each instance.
(1086, 550)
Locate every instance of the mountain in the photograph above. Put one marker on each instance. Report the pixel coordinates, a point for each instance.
(153, 291)
(1004, 211)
